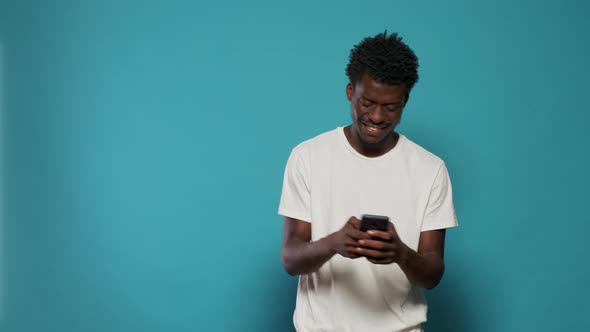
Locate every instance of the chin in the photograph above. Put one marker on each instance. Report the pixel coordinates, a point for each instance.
(372, 141)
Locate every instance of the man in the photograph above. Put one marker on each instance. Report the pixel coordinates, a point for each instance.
(352, 280)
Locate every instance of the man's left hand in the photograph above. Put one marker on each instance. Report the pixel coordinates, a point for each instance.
(384, 248)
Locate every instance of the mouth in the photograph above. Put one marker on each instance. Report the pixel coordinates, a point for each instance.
(373, 130)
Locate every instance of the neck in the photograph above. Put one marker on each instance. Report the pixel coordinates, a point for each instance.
(371, 150)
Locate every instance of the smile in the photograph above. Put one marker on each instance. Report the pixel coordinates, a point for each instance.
(373, 129)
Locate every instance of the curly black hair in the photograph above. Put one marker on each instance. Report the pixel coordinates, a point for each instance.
(386, 59)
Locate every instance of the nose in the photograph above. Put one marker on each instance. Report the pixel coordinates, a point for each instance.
(376, 115)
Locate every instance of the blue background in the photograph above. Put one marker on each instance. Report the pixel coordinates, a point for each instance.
(143, 147)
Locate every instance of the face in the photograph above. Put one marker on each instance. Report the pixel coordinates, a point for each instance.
(376, 111)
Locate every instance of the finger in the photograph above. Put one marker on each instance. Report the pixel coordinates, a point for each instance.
(356, 234)
(375, 254)
(379, 261)
(392, 230)
(376, 245)
(350, 242)
(355, 222)
(352, 252)
(385, 236)
(352, 255)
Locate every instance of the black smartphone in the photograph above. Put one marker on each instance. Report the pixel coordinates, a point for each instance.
(370, 221)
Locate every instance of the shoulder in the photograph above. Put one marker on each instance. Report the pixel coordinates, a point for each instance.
(318, 143)
(418, 155)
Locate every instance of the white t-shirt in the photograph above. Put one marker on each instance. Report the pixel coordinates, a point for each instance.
(326, 182)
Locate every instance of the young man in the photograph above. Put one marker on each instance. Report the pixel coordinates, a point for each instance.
(352, 280)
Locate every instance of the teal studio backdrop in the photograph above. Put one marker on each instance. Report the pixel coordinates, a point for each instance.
(144, 143)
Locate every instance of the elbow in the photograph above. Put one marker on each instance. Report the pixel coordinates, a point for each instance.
(289, 269)
(287, 264)
(436, 278)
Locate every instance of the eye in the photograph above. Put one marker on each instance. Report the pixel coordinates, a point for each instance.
(366, 103)
(394, 108)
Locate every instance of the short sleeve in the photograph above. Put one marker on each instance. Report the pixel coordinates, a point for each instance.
(295, 198)
(440, 211)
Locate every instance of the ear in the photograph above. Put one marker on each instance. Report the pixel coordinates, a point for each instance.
(349, 91)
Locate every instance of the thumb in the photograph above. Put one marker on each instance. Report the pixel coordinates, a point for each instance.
(392, 229)
(355, 222)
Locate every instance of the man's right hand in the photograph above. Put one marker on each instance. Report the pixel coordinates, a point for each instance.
(300, 255)
(345, 241)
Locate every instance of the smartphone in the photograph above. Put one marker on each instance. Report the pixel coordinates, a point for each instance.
(370, 221)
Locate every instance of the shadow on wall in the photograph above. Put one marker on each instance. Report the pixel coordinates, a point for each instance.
(1, 181)
(447, 307)
(281, 298)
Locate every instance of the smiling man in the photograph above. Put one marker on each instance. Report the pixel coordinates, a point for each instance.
(353, 280)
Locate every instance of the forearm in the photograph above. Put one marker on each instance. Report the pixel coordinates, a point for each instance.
(300, 257)
(423, 270)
